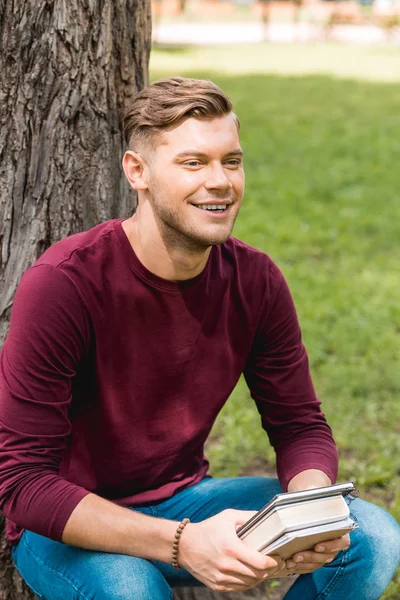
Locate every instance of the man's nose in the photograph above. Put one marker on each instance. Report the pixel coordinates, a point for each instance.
(217, 178)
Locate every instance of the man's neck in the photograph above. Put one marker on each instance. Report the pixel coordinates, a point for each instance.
(170, 262)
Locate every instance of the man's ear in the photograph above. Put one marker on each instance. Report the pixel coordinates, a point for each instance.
(133, 165)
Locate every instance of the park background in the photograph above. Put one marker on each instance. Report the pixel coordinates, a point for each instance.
(315, 84)
(320, 128)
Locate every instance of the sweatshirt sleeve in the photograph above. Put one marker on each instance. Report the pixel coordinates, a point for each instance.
(278, 376)
(49, 333)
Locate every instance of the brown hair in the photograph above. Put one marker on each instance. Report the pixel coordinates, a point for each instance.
(167, 102)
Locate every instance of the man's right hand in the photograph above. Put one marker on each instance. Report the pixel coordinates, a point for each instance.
(212, 552)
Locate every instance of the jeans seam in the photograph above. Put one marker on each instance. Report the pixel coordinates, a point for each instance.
(46, 567)
(339, 572)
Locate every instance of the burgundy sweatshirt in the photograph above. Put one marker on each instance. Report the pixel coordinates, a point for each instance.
(111, 377)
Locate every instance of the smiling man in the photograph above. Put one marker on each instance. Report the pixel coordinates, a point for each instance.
(125, 343)
(190, 189)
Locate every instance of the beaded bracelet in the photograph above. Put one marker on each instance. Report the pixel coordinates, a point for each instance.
(175, 545)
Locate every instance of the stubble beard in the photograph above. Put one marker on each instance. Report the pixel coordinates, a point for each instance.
(177, 234)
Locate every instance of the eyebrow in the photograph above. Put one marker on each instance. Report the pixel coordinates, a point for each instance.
(187, 153)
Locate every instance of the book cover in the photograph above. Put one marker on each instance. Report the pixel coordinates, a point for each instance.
(296, 516)
(296, 521)
(306, 539)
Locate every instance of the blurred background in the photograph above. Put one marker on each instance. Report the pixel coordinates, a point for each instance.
(315, 84)
(252, 21)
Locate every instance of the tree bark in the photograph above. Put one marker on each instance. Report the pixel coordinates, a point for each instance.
(68, 69)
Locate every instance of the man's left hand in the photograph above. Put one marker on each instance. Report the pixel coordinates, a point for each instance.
(322, 554)
(325, 552)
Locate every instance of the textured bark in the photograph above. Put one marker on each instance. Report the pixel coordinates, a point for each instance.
(12, 587)
(68, 68)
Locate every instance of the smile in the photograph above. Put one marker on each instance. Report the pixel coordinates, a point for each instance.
(212, 207)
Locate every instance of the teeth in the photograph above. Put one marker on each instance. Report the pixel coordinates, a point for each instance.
(212, 206)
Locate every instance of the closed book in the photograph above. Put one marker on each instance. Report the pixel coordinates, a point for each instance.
(305, 539)
(296, 521)
(284, 519)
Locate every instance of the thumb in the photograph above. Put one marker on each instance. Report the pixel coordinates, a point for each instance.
(240, 517)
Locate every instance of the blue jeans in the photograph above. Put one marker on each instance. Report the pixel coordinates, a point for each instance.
(56, 571)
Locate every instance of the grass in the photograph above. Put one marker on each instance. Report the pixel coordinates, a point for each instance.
(362, 63)
(322, 155)
(355, 62)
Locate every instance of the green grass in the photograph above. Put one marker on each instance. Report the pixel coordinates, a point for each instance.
(322, 155)
(371, 63)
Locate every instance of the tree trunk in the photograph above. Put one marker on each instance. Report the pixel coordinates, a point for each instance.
(68, 70)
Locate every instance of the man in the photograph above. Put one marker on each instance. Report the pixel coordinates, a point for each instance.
(125, 342)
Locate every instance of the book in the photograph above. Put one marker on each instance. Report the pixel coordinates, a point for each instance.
(305, 539)
(292, 517)
(296, 521)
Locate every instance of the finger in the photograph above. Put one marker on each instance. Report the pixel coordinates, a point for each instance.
(306, 568)
(277, 573)
(334, 545)
(236, 581)
(255, 559)
(240, 517)
(238, 569)
(280, 567)
(310, 567)
(317, 558)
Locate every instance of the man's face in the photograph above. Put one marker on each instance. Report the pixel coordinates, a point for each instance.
(195, 182)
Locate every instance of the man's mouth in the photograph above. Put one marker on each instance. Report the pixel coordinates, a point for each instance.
(212, 207)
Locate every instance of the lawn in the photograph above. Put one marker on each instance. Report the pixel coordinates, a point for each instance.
(321, 135)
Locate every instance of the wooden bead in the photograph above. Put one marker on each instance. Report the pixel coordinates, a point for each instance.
(175, 545)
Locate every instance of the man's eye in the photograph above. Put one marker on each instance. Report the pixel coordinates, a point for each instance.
(234, 162)
(192, 163)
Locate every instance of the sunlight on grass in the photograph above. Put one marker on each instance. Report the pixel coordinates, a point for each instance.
(376, 63)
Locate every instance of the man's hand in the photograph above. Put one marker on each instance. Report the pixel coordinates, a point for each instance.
(212, 552)
(322, 554)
